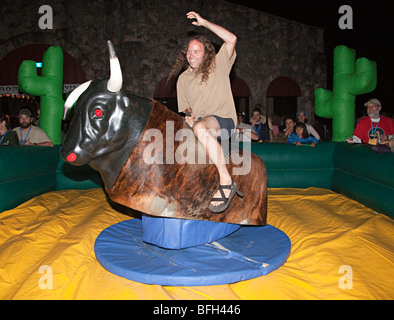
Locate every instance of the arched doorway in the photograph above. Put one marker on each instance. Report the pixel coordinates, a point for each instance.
(241, 94)
(165, 92)
(282, 96)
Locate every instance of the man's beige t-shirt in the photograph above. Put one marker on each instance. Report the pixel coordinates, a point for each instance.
(36, 135)
(213, 97)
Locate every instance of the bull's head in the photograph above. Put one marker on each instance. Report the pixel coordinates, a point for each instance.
(106, 125)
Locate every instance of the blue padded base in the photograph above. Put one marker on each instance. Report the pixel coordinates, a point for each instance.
(247, 253)
(170, 233)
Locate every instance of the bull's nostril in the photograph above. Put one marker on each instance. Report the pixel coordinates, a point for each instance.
(71, 157)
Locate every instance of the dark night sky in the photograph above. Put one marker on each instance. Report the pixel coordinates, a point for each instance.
(372, 34)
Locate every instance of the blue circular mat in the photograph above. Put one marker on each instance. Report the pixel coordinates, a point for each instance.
(247, 253)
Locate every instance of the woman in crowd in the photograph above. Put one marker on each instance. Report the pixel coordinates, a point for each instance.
(302, 116)
(301, 136)
(283, 136)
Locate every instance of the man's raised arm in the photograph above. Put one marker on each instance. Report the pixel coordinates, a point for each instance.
(229, 38)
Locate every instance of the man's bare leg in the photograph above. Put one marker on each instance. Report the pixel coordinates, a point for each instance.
(207, 130)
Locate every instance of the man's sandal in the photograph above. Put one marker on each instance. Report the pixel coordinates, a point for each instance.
(226, 201)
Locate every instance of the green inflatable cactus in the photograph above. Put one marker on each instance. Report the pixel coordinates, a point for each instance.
(49, 87)
(350, 78)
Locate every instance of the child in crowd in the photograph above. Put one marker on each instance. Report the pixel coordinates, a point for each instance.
(301, 136)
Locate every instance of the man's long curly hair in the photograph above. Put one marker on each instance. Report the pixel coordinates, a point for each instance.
(207, 66)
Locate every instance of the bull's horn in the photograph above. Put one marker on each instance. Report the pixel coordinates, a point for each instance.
(74, 95)
(115, 81)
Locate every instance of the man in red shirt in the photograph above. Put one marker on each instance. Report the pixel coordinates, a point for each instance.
(374, 127)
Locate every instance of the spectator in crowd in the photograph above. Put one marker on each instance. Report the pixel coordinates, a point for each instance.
(302, 116)
(385, 146)
(287, 131)
(241, 118)
(301, 136)
(390, 144)
(7, 137)
(374, 127)
(28, 134)
(244, 132)
(260, 124)
(275, 124)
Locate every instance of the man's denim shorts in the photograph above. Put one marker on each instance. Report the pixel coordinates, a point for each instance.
(225, 124)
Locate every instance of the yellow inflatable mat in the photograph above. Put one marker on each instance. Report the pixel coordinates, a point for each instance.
(340, 250)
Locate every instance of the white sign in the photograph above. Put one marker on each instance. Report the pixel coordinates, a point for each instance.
(70, 87)
(13, 88)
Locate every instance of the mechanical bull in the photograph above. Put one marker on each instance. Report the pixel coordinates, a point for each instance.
(109, 132)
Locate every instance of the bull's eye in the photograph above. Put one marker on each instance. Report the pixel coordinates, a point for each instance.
(98, 113)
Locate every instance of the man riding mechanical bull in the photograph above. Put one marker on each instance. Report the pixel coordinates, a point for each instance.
(110, 126)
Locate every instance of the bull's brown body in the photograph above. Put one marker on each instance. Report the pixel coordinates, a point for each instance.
(185, 190)
(107, 132)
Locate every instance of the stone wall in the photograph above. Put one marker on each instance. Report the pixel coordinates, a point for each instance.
(148, 34)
